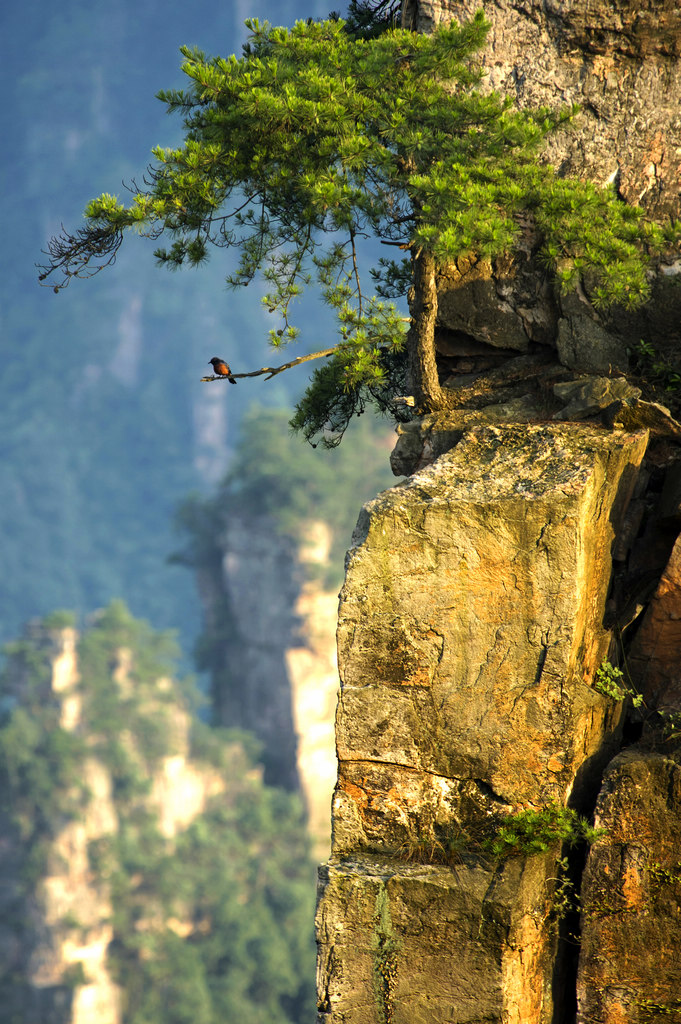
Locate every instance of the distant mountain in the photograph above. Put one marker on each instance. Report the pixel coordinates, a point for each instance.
(103, 421)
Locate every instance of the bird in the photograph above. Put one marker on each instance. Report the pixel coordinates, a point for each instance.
(221, 368)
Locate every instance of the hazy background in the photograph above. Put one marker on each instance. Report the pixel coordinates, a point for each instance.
(105, 432)
(104, 424)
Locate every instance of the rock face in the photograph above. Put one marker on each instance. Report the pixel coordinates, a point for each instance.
(70, 893)
(274, 668)
(470, 628)
(439, 674)
(655, 653)
(259, 586)
(620, 63)
(484, 593)
(630, 970)
(416, 945)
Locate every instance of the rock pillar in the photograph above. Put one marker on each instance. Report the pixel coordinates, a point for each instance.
(470, 626)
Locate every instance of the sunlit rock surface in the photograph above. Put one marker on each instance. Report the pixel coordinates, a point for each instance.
(425, 944)
(470, 627)
(471, 621)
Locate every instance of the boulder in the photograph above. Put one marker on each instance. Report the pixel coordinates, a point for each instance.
(506, 303)
(634, 414)
(421, 441)
(584, 344)
(586, 396)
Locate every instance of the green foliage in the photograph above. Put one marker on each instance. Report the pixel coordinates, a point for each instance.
(98, 392)
(662, 371)
(565, 897)
(60, 619)
(661, 876)
(74, 976)
(523, 834)
(530, 832)
(128, 691)
(337, 393)
(239, 882)
(609, 682)
(651, 1010)
(40, 787)
(276, 477)
(214, 745)
(39, 765)
(213, 925)
(113, 629)
(314, 140)
(671, 725)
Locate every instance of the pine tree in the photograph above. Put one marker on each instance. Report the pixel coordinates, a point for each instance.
(315, 140)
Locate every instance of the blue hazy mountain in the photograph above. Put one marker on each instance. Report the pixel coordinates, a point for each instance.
(104, 425)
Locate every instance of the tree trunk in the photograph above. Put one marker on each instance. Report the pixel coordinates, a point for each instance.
(423, 375)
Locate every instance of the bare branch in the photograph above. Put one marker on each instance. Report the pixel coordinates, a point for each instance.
(272, 371)
(71, 254)
(355, 271)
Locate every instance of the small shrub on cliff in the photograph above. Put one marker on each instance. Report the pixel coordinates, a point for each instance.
(671, 725)
(530, 832)
(523, 834)
(660, 370)
(609, 682)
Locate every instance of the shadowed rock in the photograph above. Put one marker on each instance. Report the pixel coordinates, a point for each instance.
(630, 969)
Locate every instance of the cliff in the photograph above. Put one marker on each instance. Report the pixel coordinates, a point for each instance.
(64, 961)
(268, 643)
(147, 872)
(620, 64)
(483, 720)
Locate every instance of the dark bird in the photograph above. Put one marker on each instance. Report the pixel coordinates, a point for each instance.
(221, 368)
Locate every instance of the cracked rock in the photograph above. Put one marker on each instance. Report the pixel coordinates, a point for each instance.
(586, 396)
